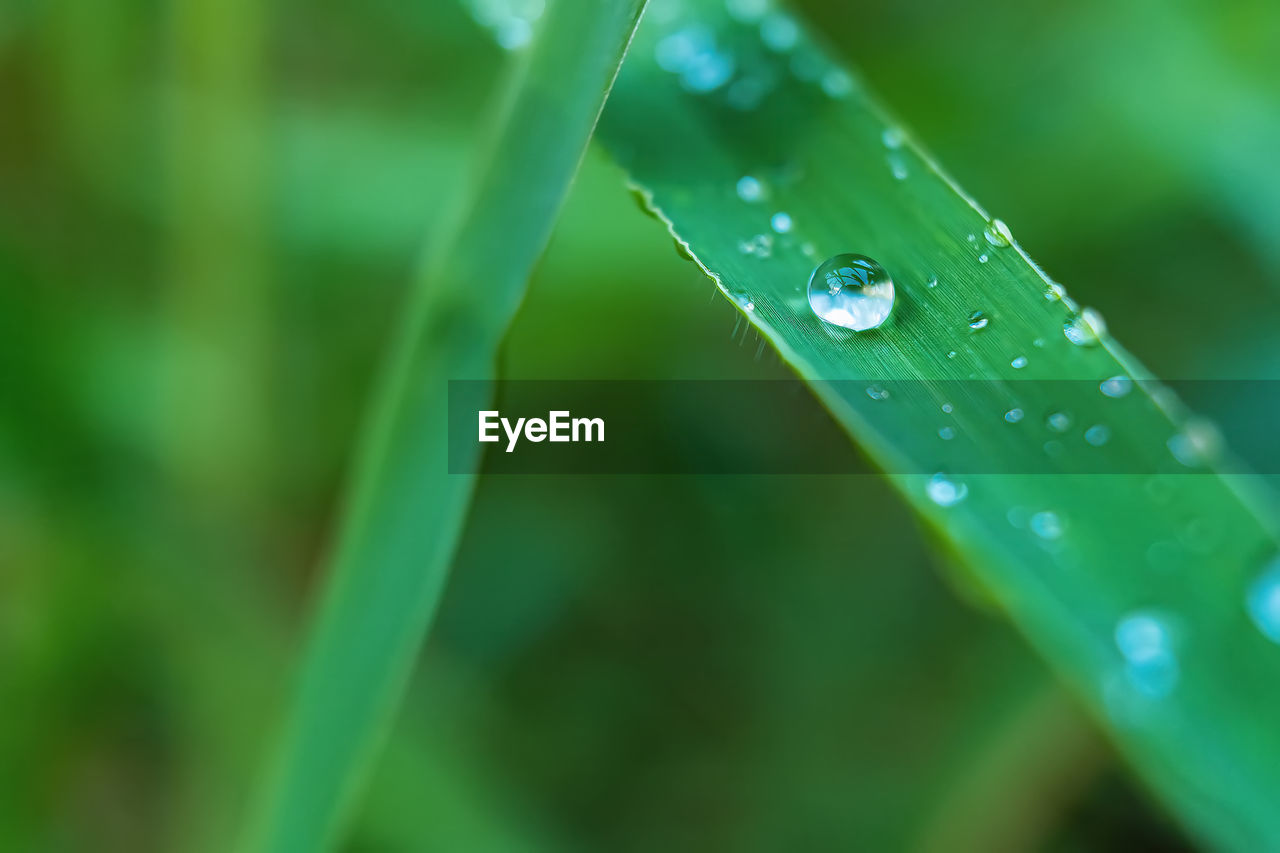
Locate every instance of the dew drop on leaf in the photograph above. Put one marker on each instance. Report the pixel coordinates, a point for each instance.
(1085, 329)
(1262, 600)
(944, 491)
(852, 291)
(1146, 644)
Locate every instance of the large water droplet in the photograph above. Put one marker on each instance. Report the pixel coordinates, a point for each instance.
(978, 320)
(1013, 415)
(1085, 329)
(1262, 601)
(852, 291)
(1146, 643)
(944, 491)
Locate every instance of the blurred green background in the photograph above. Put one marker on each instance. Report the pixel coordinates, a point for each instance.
(209, 214)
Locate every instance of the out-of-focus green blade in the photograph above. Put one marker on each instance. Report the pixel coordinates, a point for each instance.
(1133, 585)
(401, 524)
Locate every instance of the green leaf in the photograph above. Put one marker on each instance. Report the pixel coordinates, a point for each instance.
(402, 521)
(1126, 562)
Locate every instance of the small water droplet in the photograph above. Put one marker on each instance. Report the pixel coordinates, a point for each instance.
(1098, 434)
(1058, 421)
(1116, 386)
(1145, 641)
(978, 320)
(1197, 444)
(779, 32)
(837, 83)
(1085, 329)
(944, 491)
(750, 306)
(1054, 292)
(972, 238)
(898, 165)
(809, 250)
(761, 246)
(947, 408)
(946, 433)
(750, 189)
(1013, 415)
(997, 234)
(852, 291)
(982, 259)
(932, 282)
(1019, 362)
(951, 354)
(781, 222)
(746, 11)
(875, 392)
(1262, 601)
(891, 137)
(1046, 525)
(1038, 343)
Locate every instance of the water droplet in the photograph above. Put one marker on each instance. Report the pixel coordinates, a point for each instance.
(892, 137)
(983, 258)
(1146, 643)
(779, 32)
(1058, 421)
(746, 11)
(972, 238)
(761, 246)
(932, 282)
(1098, 434)
(1013, 415)
(781, 222)
(837, 83)
(852, 291)
(1038, 343)
(750, 306)
(1197, 444)
(1019, 362)
(809, 250)
(978, 320)
(947, 408)
(1046, 525)
(946, 433)
(951, 354)
(1262, 601)
(997, 234)
(898, 165)
(875, 392)
(1054, 292)
(514, 33)
(1116, 386)
(750, 189)
(1085, 329)
(944, 491)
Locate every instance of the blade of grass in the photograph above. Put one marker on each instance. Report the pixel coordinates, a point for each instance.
(405, 510)
(708, 97)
